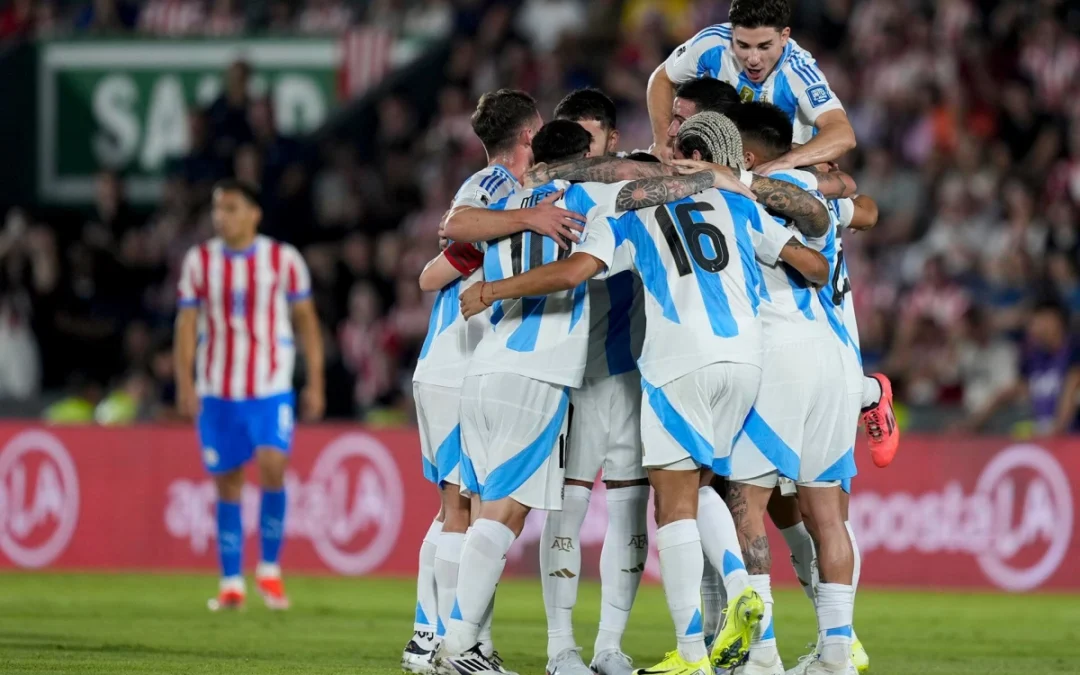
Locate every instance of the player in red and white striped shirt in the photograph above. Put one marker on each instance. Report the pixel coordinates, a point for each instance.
(240, 295)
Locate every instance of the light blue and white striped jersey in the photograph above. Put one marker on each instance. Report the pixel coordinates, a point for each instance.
(444, 356)
(696, 260)
(835, 297)
(791, 308)
(544, 338)
(617, 321)
(796, 84)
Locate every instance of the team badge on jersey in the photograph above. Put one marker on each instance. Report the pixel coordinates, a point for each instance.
(818, 94)
(746, 94)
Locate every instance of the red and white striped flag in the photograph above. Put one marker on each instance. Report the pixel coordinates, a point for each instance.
(365, 60)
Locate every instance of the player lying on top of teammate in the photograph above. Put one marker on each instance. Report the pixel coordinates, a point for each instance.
(754, 54)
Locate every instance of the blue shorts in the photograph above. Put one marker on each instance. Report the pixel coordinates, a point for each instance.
(230, 431)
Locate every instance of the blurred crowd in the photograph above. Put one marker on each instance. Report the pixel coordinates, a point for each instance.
(969, 139)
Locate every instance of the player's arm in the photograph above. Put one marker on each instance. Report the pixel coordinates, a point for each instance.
(647, 192)
(185, 338)
(808, 262)
(865, 215)
(458, 260)
(834, 138)
(471, 223)
(659, 96)
(306, 324)
(832, 184)
(773, 242)
(606, 169)
(551, 278)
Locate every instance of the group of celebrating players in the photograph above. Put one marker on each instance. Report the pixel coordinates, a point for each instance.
(677, 319)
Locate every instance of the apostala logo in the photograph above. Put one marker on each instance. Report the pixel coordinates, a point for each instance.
(1017, 523)
(350, 508)
(39, 498)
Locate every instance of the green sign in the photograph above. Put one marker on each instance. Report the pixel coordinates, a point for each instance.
(124, 105)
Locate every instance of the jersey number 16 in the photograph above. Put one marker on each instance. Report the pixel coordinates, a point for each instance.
(695, 232)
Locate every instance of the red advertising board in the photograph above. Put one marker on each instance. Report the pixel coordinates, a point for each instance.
(951, 511)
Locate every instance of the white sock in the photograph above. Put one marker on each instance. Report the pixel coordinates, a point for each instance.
(858, 556)
(713, 601)
(802, 556)
(560, 566)
(681, 564)
(622, 562)
(483, 559)
(427, 602)
(763, 643)
(487, 644)
(871, 392)
(447, 560)
(720, 541)
(835, 609)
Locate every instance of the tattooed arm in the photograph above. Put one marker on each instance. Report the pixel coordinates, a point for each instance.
(833, 184)
(607, 169)
(806, 262)
(809, 215)
(646, 192)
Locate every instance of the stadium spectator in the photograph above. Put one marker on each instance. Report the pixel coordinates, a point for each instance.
(324, 17)
(106, 17)
(172, 18)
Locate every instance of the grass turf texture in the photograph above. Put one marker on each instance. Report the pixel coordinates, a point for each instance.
(89, 623)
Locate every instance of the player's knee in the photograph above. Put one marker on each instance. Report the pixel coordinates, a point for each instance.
(230, 485)
(580, 483)
(272, 465)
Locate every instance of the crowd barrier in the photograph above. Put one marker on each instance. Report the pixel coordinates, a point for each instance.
(952, 511)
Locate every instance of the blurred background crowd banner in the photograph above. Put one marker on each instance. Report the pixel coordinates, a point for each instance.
(353, 115)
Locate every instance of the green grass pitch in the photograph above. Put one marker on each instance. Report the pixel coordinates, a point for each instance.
(91, 623)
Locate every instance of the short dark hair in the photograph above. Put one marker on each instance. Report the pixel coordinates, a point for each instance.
(766, 124)
(689, 143)
(587, 104)
(250, 192)
(500, 115)
(757, 13)
(710, 95)
(560, 139)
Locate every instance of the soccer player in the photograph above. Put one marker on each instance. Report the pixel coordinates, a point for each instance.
(695, 257)
(515, 400)
(754, 54)
(240, 294)
(596, 113)
(701, 95)
(505, 121)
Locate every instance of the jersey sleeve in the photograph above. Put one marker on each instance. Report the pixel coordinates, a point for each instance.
(699, 56)
(479, 191)
(191, 287)
(297, 276)
(595, 202)
(844, 210)
(798, 177)
(809, 88)
(465, 258)
(768, 236)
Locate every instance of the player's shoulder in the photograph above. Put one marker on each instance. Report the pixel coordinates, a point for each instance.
(799, 177)
(801, 69)
(718, 34)
(485, 184)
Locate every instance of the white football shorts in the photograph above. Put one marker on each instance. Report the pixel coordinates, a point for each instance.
(605, 429)
(513, 432)
(440, 434)
(796, 428)
(692, 421)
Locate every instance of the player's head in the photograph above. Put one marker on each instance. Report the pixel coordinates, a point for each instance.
(505, 119)
(703, 95)
(236, 210)
(710, 137)
(1048, 328)
(559, 140)
(759, 34)
(765, 130)
(592, 109)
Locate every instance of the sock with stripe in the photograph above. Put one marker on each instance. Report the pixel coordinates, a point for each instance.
(447, 560)
(681, 565)
(802, 556)
(483, 555)
(763, 642)
(560, 566)
(713, 602)
(720, 541)
(622, 562)
(871, 392)
(230, 538)
(271, 525)
(427, 603)
(835, 611)
(858, 569)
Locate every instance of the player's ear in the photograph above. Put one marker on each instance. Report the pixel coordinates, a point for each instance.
(748, 159)
(613, 141)
(696, 156)
(784, 35)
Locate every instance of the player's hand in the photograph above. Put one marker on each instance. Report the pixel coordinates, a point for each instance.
(312, 403)
(779, 164)
(723, 177)
(187, 401)
(551, 221)
(662, 149)
(472, 300)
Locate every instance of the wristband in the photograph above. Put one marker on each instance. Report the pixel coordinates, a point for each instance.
(746, 177)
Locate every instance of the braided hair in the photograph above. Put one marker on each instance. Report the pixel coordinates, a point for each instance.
(714, 136)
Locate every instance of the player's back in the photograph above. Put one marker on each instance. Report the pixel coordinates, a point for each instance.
(696, 262)
(545, 338)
